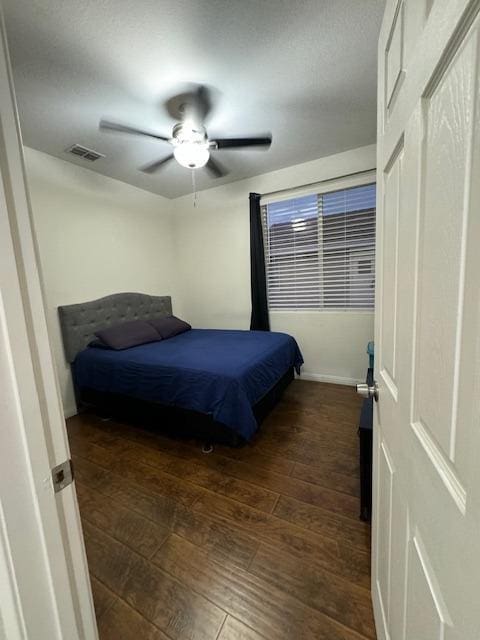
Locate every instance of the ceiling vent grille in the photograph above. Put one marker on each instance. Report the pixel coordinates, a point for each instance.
(83, 152)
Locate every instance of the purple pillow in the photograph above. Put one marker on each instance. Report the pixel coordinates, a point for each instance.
(170, 326)
(128, 334)
(98, 344)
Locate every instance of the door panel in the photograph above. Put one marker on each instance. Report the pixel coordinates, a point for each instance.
(400, 532)
(426, 542)
(390, 271)
(448, 122)
(426, 614)
(416, 14)
(394, 57)
(384, 528)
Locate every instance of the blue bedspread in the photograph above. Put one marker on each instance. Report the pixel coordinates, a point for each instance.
(221, 373)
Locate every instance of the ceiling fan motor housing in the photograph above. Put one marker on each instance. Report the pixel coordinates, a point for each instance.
(189, 132)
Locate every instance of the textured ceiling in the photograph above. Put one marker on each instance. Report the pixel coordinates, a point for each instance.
(303, 69)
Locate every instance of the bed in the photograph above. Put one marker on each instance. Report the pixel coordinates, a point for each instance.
(216, 385)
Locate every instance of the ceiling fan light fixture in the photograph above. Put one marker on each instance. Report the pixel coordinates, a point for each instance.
(192, 155)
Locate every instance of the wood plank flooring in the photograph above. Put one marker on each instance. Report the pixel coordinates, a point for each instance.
(257, 543)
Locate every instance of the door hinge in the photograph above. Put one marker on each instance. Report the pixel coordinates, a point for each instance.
(62, 475)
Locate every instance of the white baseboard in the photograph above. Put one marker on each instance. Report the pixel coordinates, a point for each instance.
(69, 412)
(321, 377)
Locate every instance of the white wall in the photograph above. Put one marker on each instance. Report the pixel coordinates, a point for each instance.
(213, 256)
(96, 236)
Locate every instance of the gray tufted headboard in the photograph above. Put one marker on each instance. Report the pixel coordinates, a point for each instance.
(80, 321)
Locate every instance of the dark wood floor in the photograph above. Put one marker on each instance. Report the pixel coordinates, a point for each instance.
(262, 542)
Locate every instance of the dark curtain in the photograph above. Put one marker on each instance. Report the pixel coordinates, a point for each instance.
(259, 319)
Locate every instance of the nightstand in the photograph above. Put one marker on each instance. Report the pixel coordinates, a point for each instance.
(365, 433)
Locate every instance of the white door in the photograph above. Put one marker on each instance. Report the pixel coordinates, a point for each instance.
(426, 523)
(44, 586)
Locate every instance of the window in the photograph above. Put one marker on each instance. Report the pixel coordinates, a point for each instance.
(320, 250)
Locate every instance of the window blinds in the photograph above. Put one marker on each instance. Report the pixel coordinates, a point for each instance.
(320, 250)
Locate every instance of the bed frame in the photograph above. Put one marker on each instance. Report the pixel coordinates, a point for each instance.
(79, 322)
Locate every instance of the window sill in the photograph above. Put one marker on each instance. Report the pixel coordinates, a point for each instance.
(322, 311)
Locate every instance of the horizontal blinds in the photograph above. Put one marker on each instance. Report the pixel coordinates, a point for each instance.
(291, 229)
(320, 250)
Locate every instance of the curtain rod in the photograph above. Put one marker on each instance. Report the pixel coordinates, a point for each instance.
(313, 184)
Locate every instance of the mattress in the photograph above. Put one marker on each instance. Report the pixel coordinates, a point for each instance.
(217, 372)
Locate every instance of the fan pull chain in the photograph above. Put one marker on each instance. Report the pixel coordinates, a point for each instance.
(194, 187)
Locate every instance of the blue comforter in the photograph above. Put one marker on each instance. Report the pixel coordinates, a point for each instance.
(221, 373)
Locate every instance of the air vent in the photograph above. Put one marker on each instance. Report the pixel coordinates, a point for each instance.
(83, 152)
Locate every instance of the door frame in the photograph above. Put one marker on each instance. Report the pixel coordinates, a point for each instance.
(49, 520)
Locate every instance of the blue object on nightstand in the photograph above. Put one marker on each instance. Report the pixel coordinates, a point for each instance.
(371, 353)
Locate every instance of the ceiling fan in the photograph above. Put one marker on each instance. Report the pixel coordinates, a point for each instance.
(192, 148)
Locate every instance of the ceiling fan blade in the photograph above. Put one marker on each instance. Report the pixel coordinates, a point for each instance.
(154, 166)
(215, 169)
(236, 143)
(123, 128)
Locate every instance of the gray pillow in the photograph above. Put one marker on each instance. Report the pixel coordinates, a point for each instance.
(170, 326)
(128, 334)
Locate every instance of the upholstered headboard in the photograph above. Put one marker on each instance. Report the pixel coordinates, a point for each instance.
(80, 321)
